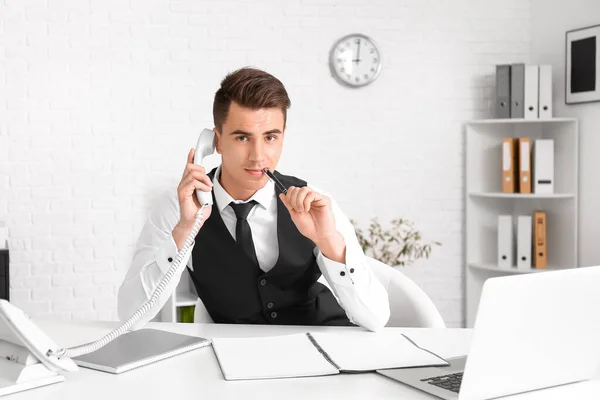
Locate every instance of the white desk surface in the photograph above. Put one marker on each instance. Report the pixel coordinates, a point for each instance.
(196, 375)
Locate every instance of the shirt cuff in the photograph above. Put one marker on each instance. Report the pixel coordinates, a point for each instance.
(167, 253)
(349, 274)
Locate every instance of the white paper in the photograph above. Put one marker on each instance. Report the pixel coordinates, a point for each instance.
(270, 357)
(368, 351)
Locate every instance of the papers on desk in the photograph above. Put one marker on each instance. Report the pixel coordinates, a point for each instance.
(316, 354)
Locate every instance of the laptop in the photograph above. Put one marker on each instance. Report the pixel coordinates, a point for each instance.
(531, 332)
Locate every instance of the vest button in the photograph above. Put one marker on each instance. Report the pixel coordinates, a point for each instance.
(342, 273)
(170, 259)
(351, 270)
(273, 314)
(263, 282)
(270, 304)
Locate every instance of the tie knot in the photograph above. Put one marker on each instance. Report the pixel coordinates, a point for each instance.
(242, 209)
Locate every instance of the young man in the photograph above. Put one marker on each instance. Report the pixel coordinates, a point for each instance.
(267, 273)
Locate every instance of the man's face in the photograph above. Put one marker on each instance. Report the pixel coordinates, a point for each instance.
(250, 141)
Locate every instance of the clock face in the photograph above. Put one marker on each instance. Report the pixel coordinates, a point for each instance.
(355, 60)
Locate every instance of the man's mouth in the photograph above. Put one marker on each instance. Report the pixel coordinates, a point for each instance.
(255, 172)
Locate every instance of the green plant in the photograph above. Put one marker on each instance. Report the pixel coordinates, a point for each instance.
(401, 245)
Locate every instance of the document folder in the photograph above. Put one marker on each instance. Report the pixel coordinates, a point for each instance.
(524, 165)
(517, 90)
(524, 241)
(531, 92)
(540, 240)
(543, 166)
(502, 91)
(509, 167)
(545, 96)
(505, 241)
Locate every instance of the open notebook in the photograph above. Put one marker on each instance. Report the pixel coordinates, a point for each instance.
(315, 354)
(137, 348)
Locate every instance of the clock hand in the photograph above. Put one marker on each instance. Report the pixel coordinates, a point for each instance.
(358, 53)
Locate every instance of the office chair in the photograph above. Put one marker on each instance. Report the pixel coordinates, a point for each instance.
(409, 304)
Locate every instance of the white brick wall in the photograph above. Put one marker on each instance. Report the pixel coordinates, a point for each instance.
(101, 100)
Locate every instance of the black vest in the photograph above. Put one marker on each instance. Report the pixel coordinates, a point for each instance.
(234, 290)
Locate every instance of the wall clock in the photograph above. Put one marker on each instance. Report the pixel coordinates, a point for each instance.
(355, 60)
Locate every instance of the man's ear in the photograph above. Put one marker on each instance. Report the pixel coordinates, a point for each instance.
(217, 140)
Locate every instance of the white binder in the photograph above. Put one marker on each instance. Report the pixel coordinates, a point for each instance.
(531, 91)
(524, 241)
(543, 166)
(545, 92)
(505, 241)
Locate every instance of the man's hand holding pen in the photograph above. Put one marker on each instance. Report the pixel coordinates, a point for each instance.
(312, 214)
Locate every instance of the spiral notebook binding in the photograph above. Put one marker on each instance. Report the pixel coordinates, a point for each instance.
(323, 352)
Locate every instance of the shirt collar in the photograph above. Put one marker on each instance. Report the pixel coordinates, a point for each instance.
(263, 196)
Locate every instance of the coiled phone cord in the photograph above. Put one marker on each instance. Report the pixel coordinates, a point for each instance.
(144, 308)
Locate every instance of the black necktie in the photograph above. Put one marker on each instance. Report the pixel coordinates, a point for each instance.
(243, 234)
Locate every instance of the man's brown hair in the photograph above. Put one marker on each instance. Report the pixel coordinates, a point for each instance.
(250, 88)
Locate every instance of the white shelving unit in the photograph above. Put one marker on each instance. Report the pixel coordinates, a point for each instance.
(184, 296)
(485, 200)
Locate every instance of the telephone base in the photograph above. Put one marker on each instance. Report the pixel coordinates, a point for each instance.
(16, 377)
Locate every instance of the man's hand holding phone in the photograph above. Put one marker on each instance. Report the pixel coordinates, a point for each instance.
(194, 177)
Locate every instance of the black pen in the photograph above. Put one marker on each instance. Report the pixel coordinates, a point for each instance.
(275, 180)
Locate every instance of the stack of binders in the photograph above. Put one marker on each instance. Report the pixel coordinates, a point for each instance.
(530, 240)
(521, 165)
(523, 91)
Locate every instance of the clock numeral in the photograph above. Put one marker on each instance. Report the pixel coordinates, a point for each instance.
(375, 59)
(372, 69)
(372, 51)
(366, 76)
(343, 69)
(348, 76)
(357, 79)
(357, 41)
(342, 50)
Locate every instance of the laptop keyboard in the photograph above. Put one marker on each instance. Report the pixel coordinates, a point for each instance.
(450, 381)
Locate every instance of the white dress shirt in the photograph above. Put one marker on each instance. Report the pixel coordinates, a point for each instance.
(354, 285)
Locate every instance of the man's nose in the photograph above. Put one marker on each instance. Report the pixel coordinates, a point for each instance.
(258, 152)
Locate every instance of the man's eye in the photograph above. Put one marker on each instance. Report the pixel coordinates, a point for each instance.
(241, 138)
(271, 138)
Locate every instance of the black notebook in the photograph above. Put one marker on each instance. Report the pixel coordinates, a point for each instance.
(137, 348)
(314, 354)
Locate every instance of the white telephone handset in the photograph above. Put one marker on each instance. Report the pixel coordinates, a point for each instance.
(16, 327)
(204, 148)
